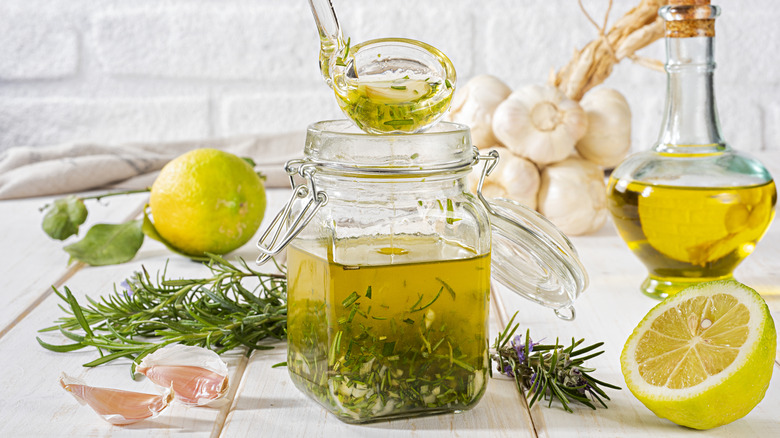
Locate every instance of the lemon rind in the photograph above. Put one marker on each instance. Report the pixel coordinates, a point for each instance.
(756, 307)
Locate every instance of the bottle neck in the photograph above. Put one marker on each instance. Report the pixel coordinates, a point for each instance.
(690, 122)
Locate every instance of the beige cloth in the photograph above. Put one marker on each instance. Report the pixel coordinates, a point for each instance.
(37, 171)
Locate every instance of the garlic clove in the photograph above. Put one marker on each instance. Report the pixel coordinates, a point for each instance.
(514, 177)
(474, 105)
(197, 375)
(608, 139)
(573, 196)
(116, 406)
(540, 123)
(398, 91)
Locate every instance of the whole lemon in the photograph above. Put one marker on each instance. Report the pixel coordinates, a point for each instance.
(207, 200)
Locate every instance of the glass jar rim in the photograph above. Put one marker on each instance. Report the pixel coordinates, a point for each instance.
(338, 146)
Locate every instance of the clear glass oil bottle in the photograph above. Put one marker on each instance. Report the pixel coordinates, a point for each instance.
(691, 208)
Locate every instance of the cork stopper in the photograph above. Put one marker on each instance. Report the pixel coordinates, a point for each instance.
(689, 18)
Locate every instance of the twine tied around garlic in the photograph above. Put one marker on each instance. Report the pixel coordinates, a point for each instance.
(591, 65)
(556, 139)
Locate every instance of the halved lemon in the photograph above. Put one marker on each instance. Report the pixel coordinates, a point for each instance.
(702, 358)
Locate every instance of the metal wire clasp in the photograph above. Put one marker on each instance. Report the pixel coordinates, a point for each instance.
(491, 161)
(288, 227)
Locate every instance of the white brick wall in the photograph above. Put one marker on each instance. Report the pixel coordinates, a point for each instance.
(116, 71)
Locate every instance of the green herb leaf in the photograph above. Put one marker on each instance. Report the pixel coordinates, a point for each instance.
(249, 161)
(450, 212)
(59, 348)
(388, 348)
(350, 299)
(403, 122)
(398, 87)
(447, 286)
(108, 244)
(63, 217)
(429, 304)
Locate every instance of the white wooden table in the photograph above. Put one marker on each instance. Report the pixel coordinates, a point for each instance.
(264, 401)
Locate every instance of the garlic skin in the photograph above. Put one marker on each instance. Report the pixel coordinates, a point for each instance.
(573, 196)
(609, 127)
(514, 177)
(197, 375)
(116, 406)
(540, 123)
(473, 105)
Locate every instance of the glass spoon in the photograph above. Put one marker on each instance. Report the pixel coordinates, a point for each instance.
(386, 85)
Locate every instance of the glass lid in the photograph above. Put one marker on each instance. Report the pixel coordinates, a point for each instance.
(534, 259)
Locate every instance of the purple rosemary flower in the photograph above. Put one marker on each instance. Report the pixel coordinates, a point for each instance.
(508, 370)
(126, 287)
(519, 346)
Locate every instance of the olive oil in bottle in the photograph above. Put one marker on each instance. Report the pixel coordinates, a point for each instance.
(690, 234)
(691, 208)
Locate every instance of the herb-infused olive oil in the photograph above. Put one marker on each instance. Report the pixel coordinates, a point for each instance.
(689, 234)
(388, 327)
(400, 105)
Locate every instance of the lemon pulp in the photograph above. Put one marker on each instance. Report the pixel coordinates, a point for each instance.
(692, 341)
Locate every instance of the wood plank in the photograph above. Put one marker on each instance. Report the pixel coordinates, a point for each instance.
(608, 311)
(39, 407)
(32, 262)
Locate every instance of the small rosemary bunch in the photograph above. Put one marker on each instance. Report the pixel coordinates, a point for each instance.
(236, 306)
(549, 371)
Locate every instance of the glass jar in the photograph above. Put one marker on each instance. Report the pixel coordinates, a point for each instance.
(389, 264)
(692, 208)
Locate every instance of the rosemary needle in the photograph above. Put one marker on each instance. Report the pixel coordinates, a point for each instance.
(220, 312)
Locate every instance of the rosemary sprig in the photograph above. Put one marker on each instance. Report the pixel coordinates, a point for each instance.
(549, 372)
(220, 312)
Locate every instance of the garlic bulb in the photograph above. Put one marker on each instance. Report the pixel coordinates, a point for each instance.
(609, 127)
(540, 123)
(573, 196)
(473, 105)
(514, 177)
